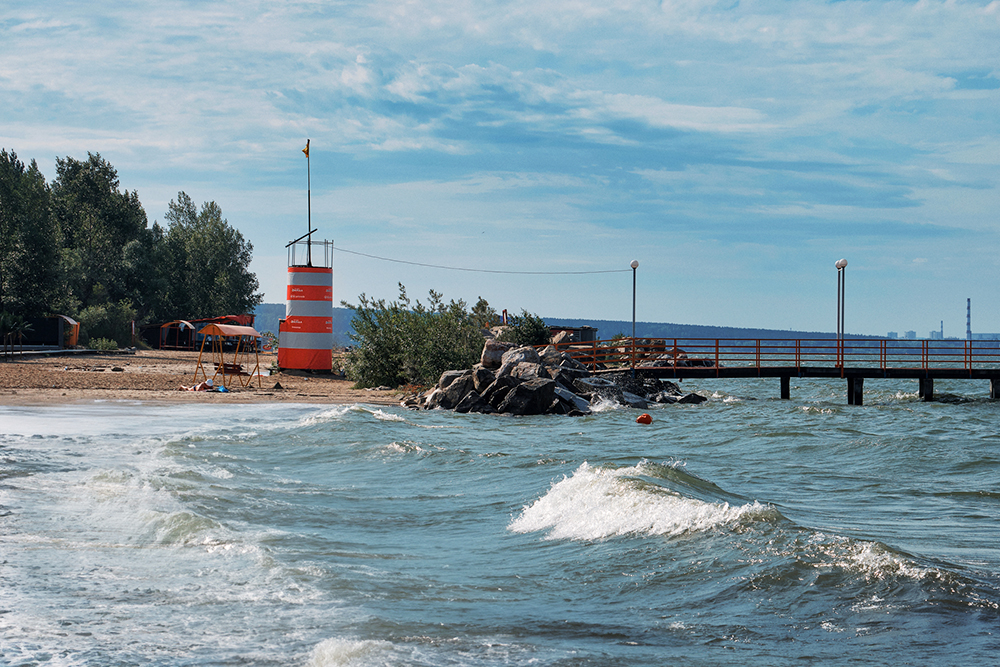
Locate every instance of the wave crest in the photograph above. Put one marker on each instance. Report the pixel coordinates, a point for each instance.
(598, 503)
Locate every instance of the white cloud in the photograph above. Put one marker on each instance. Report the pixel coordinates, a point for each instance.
(613, 119)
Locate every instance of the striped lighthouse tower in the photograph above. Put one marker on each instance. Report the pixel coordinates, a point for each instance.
(305, 337)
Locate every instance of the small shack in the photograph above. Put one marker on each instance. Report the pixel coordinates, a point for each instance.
(245, 359)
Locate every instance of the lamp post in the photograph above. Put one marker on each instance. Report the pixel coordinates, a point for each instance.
(841, 265)
(634, 265)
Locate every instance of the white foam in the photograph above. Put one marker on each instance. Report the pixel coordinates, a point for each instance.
(603, 404)
(597, 503)
(386, 416)
(874, 561)
(332, 414)
(348, 653)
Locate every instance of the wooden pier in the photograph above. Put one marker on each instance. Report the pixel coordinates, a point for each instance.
(854, 360)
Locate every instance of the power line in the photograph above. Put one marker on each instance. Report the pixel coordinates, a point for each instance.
(456, 268)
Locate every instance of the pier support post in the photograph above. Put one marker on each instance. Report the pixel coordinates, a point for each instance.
(855, 391)
(994, 388)
(786, 392)
(926, 389)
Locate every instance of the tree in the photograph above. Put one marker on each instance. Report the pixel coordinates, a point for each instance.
(527, 329)
(97, 222)
(207, 263)
(484, 315)
(29, 278)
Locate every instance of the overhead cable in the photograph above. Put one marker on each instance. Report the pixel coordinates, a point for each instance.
(457, 268)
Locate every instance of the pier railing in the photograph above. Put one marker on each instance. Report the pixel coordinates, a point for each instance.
(719, 353)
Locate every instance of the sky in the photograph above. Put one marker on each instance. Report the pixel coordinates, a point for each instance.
(736, 149)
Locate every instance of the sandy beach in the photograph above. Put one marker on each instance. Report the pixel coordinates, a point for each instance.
(155, 375)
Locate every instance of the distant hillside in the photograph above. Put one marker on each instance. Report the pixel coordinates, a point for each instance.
(608, 328)
(268, 315)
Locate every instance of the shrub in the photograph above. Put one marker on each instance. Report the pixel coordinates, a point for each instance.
(526, 329)
(401, 343)
(103, 344)
(112, 321)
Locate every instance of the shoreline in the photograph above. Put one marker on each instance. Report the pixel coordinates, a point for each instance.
(154, 376)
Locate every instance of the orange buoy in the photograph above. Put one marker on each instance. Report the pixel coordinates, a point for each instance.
(644, 418)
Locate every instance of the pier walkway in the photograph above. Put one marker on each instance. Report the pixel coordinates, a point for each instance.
(853, 360)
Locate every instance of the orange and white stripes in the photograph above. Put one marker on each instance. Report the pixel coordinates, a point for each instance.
(305, 336)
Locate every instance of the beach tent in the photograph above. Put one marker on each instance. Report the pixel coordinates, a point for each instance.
(243, 341)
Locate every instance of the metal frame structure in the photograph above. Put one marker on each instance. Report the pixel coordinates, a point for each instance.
(244, 339)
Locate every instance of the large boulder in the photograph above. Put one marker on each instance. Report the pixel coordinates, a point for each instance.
(523, 353)
(572, 401)
(473, 402)
(449, 377)
(482, 378)
(525, 370)
(451, 389)
(634, 400)
(497, 391)
(493, 351)
(532, 397)
(562, 337)
(516, 356)
(598, 388)
(664, 397)
(564, 377)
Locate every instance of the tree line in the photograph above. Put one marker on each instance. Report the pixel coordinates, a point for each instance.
(81, 246)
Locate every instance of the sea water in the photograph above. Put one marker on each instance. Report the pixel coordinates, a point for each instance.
(745, 530)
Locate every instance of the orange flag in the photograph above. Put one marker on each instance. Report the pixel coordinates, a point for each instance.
(306, 149)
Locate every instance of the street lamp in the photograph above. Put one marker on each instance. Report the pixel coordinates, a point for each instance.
(841, 265)
(634, 265)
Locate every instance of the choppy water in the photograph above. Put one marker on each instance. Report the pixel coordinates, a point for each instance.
(739, 531)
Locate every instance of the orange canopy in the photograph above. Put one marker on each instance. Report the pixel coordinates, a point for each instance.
(228, 330)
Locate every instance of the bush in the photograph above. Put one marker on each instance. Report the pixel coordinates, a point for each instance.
(401, 343)
(103, 345)
(112, 321)
(526, 329)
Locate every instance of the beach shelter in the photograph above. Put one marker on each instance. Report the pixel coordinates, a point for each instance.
(244, 363)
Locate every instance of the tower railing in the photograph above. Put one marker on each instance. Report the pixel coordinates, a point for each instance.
(318, 254)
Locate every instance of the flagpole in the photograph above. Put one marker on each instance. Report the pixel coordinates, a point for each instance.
(309, 208)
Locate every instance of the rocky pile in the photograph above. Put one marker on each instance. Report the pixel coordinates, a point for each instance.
(520, 381)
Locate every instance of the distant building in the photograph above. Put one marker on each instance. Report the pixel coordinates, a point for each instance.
(892, 334)
(937, 335)
(584, 334)
(911, 335)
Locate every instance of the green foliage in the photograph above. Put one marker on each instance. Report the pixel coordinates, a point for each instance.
(82, 243)
(29, 250)
(403, 343)
(97, 222)
(103, 345)
(484, 315)
(111, 321)
(208, 263)
(526, 329)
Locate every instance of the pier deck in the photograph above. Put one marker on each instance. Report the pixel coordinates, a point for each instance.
(853, 360)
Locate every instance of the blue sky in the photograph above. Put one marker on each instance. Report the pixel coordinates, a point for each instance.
(736, 149)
